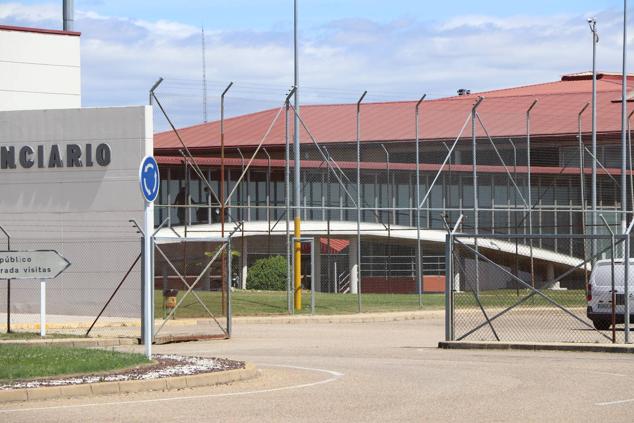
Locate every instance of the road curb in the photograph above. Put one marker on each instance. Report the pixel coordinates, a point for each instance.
(338, 318)
(387, 316)
(74, 342)
(86, 324)
(129, 386)
(602, 348)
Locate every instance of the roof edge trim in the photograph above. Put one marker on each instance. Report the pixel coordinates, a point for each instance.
(39, 30)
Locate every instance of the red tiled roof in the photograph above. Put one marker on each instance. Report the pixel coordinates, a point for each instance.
(425, 167)
(336, 245)
(502, 111)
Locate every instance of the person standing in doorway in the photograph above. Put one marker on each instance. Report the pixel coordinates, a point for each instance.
(181, 200)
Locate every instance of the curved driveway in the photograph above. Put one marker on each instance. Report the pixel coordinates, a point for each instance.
(359, 372)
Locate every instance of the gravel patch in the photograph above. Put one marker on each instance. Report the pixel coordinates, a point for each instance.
(165, 365)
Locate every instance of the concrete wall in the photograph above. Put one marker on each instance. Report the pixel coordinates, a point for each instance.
(83, 212)
(39, 70)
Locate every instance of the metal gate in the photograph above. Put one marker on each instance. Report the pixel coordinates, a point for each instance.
(520, 288)
(193, 279)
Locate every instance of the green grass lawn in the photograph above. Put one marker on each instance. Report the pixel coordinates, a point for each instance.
(262, 303)
(507, 297)
(27, 362)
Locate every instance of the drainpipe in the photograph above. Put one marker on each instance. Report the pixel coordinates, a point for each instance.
(69, 15)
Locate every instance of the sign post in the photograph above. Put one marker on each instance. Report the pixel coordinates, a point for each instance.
(149, 180)
(43, 309)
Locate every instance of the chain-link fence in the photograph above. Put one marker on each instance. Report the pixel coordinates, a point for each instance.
(379, 183)
(192, 279)
(99, 294)
(538, 294)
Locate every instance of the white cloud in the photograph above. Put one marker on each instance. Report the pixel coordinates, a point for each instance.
(30, 13)
(506, 23)
(168, 29)
(122, 57)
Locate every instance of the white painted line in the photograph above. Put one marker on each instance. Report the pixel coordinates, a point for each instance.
(601, 404)
(333, 377)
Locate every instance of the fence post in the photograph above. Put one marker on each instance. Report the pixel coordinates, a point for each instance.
(420, 274)
(613, 285)
(474, 144)
(228, 297)
(313, 272)
(152, 290)
(336, 276)
(626, 288)
(449, 335)
(359, 201)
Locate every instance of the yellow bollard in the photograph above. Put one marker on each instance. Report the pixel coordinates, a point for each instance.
(298, 266)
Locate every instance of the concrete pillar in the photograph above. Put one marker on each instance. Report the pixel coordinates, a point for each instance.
(353, 265)
(243, 263)
(317, 269)
(550, 275)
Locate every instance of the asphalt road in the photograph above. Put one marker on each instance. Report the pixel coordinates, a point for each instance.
(359, 372)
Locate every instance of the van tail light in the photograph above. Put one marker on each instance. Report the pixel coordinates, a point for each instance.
(589, 294)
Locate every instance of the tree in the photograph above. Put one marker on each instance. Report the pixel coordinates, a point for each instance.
(268, 274)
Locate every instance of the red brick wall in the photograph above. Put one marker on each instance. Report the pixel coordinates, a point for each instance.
(404, 285)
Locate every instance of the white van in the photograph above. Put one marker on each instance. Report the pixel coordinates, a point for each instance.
(599, 294)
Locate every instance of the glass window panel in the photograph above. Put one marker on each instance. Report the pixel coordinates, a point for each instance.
(546, 191)
(484, 191)
(501, 196)
(453, 197)
(501, 222)
(467, 192)
(402, 199)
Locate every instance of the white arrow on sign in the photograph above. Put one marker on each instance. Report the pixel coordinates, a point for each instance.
(39, 264)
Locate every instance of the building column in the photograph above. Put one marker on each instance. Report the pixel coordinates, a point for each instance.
(353, 265)
(550, 275)
(243, 263)
(317, 260)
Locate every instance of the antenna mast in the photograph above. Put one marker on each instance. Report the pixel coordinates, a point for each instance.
(204, 76)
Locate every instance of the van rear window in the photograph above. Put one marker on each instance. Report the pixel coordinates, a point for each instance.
(602, 275)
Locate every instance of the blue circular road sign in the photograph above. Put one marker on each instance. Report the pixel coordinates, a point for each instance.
(149, 178)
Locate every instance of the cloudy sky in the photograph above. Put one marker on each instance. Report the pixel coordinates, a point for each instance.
(396, 49)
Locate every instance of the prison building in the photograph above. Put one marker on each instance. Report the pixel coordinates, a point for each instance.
(553, 118)
(69, 176)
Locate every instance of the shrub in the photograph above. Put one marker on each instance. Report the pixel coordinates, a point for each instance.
(268, 274)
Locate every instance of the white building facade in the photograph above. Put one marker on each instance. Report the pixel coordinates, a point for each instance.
(39, 69)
